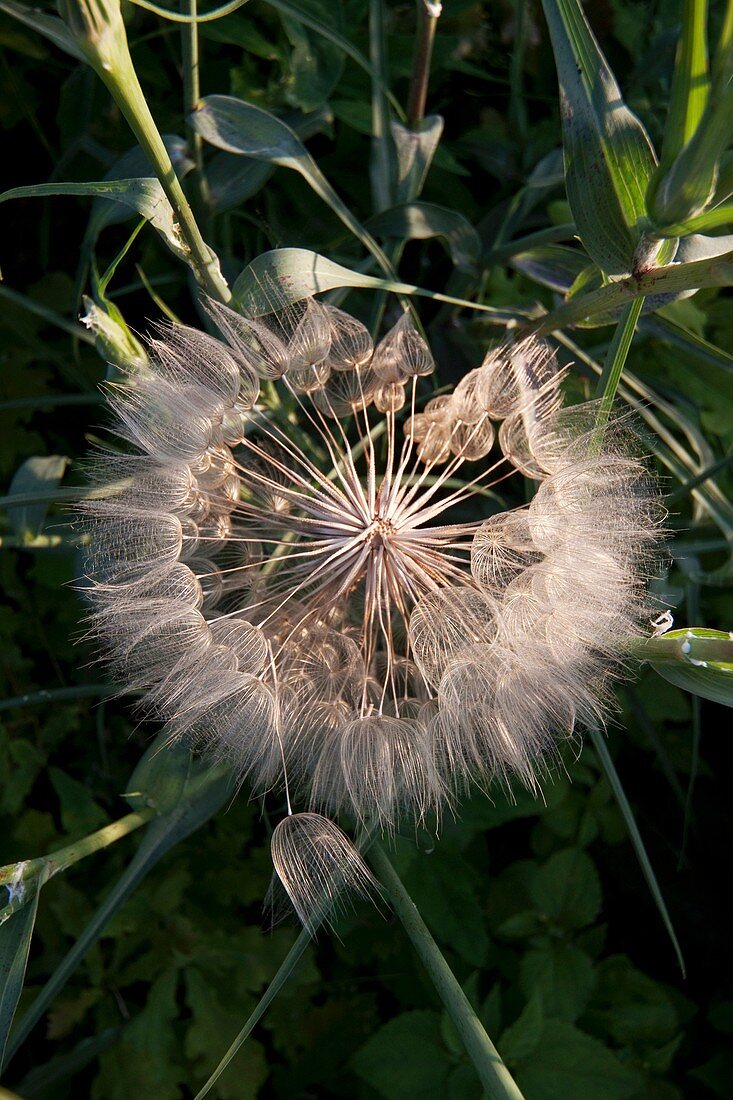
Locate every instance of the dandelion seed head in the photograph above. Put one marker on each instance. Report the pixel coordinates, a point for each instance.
(298, 570)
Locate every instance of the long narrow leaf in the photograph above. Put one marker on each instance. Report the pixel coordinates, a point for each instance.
(690, 83)
(599, 744)
(284, 275)
(672, 279)
(609, 158)
(144, 195)
(15, 944)
(238, 127)
(204, 796)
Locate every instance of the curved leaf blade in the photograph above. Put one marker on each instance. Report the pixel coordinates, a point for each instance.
(609, 158)
(38, 475)
(696, 659)
(234, 126)
(145, 195)
(15, 944)
(423, 220)
(50, 26)
(277, 279)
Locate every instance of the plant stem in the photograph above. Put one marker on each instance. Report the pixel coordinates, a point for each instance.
(493, 1074)
(304, 940)
(599, 744)
(100, 32)
(80, 849)
(428, 13)
(127, 93)
(191, 96)
(381, 166)
(58, 695)
(517, 112)
(616, 358)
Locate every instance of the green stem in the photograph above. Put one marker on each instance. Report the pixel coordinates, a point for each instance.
(517, 112)
(192, 95)
(100, 32)
(493, 1074)
(599, 744)
(58, 695)
(80, 849)
(286, 968)
(616, 358)
(381, 166)
(428, 13)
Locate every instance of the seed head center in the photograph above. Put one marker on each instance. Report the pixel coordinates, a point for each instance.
(381, 530)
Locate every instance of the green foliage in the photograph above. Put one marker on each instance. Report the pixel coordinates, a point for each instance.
(148, 957)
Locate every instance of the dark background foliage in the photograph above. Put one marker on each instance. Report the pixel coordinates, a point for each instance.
(539, 906)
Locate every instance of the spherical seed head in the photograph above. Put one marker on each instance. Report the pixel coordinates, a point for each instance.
(299, 586)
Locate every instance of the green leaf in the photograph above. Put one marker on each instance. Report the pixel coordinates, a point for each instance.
(204, 793)
(566, 1064)
(660, 283)
(636, 1011)
(562, 974)
(609, 158)
(696, 659)
(80, 814)
(275, 279)
(232, 178)
(146, 196)
(415, 150)
(144, 1061)
(520, 1040)
(131, 166)
(40, 474)
(567, 889)
(689, 184)
(50, 26)
(238, 127)
(713, 218)
(422, 220)
(552, 265)
(690, 83)
(406, 1059)
(285, 275)
(15, 944)
(316, 63)
(160, 778)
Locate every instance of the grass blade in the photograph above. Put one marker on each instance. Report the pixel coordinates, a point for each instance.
(599, 744)
(204, 796)
(15, 944)
(493, 1074)
(609, 158)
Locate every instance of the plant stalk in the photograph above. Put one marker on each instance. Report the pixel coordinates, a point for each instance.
(493, 1074)
(191, 96)
(100, 32)
(616, 359)
(428, 13)
(64, 858)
